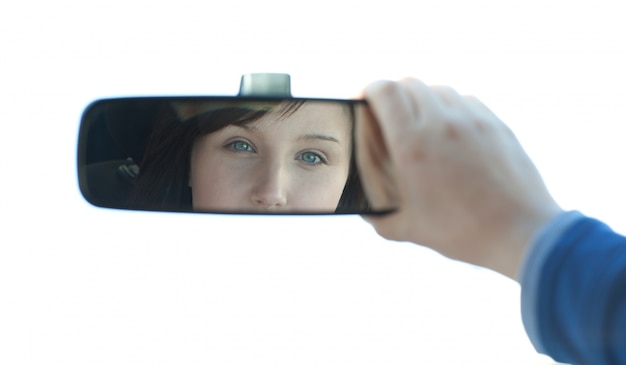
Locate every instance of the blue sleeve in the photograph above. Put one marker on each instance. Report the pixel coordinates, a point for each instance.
(574, 291)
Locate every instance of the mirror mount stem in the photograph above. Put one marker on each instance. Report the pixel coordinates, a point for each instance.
(265, 84)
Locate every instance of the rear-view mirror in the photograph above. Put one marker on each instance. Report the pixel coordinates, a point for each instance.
(223, 155)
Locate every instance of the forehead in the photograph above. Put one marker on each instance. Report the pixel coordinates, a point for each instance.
(309, 115)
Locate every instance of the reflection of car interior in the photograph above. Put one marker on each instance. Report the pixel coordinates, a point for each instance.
(116, 141)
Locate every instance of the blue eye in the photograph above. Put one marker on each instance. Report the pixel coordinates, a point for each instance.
(241, 146)
(311, 158)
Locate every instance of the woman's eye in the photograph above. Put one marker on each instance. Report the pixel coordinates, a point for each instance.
(241, 146)
(312, 158)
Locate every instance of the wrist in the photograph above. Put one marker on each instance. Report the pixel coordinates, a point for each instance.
(510, 248)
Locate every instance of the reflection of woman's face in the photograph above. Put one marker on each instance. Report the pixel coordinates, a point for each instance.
(295, 162)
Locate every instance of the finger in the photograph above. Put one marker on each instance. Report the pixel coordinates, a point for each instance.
(485, 116)
(392, 109)
(478, 105)
(429, 103)
(373, 161)
(449, 96)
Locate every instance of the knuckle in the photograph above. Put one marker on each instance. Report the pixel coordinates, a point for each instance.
(480, 124)
(411, 149)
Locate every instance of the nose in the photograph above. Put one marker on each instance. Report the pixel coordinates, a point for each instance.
(270, 188)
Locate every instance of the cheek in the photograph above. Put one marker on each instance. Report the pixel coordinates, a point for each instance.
(216, 186)
(318, 191)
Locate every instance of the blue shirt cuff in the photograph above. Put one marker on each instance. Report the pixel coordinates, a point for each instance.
(530, 274)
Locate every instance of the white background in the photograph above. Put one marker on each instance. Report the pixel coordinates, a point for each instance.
(81, 285)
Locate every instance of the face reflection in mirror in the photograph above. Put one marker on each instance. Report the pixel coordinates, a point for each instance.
(243, 156)
(295, 157)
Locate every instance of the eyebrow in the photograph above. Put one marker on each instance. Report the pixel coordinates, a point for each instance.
(246, 127)
(311, 137)
(306, 137)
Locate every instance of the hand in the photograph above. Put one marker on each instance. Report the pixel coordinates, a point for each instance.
(464, 184)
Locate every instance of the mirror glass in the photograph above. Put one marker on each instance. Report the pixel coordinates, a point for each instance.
(222, 155)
